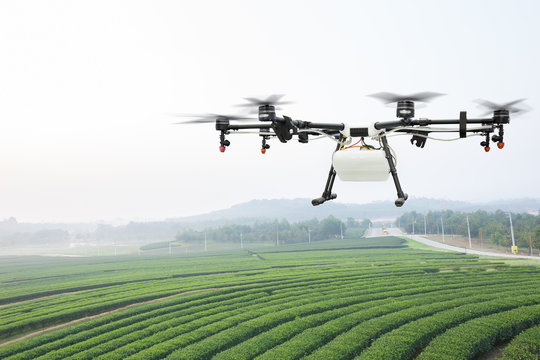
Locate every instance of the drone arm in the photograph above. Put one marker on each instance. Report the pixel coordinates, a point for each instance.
(388, 125)
(261, 127)
(322, 126)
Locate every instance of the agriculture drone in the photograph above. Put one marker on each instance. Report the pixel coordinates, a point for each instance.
(360, 161)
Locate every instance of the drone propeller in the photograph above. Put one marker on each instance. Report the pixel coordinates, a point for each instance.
(510, 106)
(271, 100)
(210, 118)
(388, 98)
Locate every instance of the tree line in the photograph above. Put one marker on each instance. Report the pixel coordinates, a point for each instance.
(275, 231)
(491, 227)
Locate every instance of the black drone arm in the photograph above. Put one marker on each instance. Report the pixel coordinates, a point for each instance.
(389, 125)
(284, 128)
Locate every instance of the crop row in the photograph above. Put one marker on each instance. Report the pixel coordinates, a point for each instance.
(160, 338)
(58, 278)
(401, 285)
(52, 280)
(478, 335)
(238, 276)
(264, 308)
(44, 312)
(358, 338)
(301, 336)
(302, 284)
(161, 326)
(300, 291)
(280, 318)
(404, 342)
(525, 346)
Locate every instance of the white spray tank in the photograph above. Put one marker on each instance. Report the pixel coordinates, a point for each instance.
(361, 164)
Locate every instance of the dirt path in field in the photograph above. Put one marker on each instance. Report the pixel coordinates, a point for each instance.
(51, 328)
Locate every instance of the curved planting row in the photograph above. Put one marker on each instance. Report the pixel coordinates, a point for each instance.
(276, 287)
(412, 337)
(322, 281)
(478, 335)
(21, 280)
(392, 304)
(298, 292)
(30, 315)
(341, 336)
(301, 336)
(525, 346)
(405, 288)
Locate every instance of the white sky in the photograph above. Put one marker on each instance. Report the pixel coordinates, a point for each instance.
(85, 87)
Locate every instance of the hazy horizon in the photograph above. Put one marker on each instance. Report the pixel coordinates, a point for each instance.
(125, 220)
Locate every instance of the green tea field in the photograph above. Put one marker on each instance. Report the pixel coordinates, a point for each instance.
(375, 298)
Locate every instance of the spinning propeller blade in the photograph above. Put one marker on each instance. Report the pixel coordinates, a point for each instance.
(388, 98)
(510, 106)
(272, 100)
(210, 118)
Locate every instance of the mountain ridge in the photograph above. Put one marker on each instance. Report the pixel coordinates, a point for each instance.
(301, 209)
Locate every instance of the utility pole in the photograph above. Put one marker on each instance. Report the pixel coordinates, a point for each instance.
(442, 229)
(341, 229)
(425, 225)
(241, 241)
(530, 239)
(413, 222)
(514, 247)
(469, 231)
(481, 239)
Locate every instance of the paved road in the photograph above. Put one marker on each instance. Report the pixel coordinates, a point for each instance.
(397, 232)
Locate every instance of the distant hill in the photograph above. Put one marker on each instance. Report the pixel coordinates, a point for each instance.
(13, 233)
(301, 209)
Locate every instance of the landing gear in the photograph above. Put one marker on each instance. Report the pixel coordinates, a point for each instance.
(327, 193)
(402, 197)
